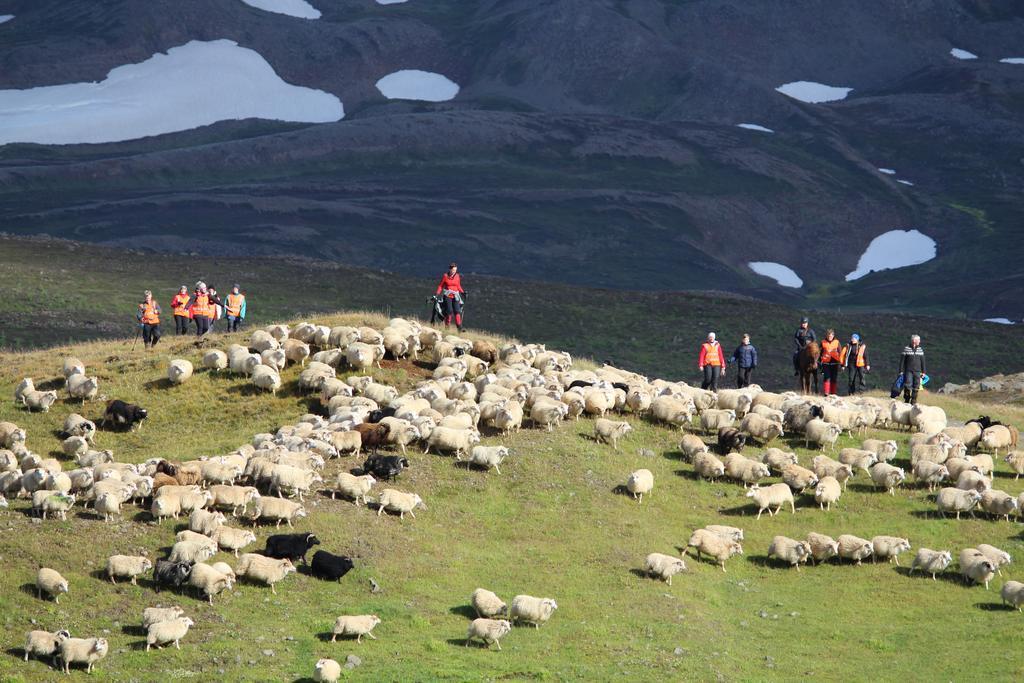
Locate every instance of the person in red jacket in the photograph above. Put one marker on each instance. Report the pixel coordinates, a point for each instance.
(711, 362)
(450, 288)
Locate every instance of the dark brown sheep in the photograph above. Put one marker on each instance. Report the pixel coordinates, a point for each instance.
(485, 351)
(373, 436)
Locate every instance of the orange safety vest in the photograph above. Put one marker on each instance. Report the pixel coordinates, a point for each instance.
(235, 304)
(202, 306)
(711, 354)
(180, 304)
(149, 314)
(860, 355)
(830, 351)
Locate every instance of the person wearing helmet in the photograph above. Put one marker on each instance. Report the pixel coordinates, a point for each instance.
(830, 361)
(450, 289)
(912, 368)
(855, 359)
(711, 362)
(804, 335)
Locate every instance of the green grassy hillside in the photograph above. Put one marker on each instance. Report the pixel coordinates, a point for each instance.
(55, 292)
(552, 524)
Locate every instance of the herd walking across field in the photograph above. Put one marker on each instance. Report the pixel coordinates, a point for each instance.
(475, 389)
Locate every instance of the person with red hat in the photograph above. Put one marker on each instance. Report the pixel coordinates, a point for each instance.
(450, 288)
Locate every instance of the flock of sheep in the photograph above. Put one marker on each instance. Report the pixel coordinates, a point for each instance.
(473, 385)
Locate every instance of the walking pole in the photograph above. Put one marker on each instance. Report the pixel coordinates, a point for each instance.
(138, 331)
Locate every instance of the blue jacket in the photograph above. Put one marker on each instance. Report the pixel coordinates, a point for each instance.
(745, 355)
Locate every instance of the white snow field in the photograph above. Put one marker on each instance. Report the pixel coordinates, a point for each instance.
(813, 93)
(1012, 60)
(783, 275)
(887, 171)
(193, 85)
(293, 8)
(413, 84)
(754, 126)
(1001, 321)
(894, 249)
(962, 54)
(5, 18)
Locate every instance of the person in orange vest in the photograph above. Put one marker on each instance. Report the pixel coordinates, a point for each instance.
(148, 316)
(855, 360)
(201, 309)
(830, 361)
(711, 362)
(451, 289)
(234, 308)
(179, 305)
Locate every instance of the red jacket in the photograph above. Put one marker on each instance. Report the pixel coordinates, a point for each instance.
(704, 360)
(452, 282)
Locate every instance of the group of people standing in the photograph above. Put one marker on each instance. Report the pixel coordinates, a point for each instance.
(834, 356)
(202, 308)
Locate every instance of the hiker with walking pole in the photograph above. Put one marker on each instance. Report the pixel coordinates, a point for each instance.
(452, 293)
(148, 316)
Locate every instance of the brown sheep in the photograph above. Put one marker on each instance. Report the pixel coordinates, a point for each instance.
(373, 435)
(485, 351)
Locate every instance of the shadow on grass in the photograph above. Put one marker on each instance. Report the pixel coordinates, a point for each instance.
(946, 576)
(466, 611)
(133, 630)
(768, 562)
(162, 383)
(688, 474)
(28, 588)
(740, 511)
(50, 384)
(995, 607)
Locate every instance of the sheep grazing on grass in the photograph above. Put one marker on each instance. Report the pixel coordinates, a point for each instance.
(127, 566)
(789, 550)
(931, 473)
(761, 428)
(799, 478)
(663, 566)
(170, 631)
(975, 567)
(44, 644)
(1012, 593)
(531, 610)
(691, 445)
(854, 548)
(998, 558)
(775, 496)
(276, 510)
(998, 504)
(232, 540)
(264, 569)
(827, 492)
(822, 547)
(488, 456)
(719, 547)
(883, 450)
(639, 483)
(326, 671)
(931, 561)
(209, 581)
(888, 548)
(951, 499)
(609, 431)
(745, 470)
(714, 419)
(488, 630)
(358, 626)
(821, 433)
(487, 604)
(50, 582)
(179, 371)
(39, 400)
(400, 502)
(707, 466)
(888, 477)
(777, 458)
(86, 651)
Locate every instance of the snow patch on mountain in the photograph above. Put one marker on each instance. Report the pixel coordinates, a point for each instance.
(813, 93)
(413, 84)
(783, 275)
(894, 249)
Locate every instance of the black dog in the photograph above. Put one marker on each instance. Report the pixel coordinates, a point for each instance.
(329, 566)
(290, 546)
(121, 415)
(384, 467)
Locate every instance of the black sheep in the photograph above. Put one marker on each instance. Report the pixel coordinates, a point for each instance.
(290, 546)
(123, 415)
(376, 416)
(166, 573)
(731, 440)
(384, 467)
(580, 383)
(329, 566)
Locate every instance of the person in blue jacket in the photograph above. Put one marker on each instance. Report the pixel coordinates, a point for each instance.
(745, 357)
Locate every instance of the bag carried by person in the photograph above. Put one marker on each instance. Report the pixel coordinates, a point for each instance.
(897, 386)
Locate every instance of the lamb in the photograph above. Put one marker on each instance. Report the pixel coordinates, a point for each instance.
(444, 439)
(888, 547)
(232, 540)
(997, 437)
(998, 558)
(998, 503)
(731, 439)
(887, 476)
(50, 581)
(975, 567)
(353, 487)
(930, 473)
(533, 610)
(775, 495)
(326, 671)
(639, 483)
(294, 479)
(827, 492)
(357, 626)
(821, 433)
(822, 547)
(745, 470)
(26, 385)
(81, 650)
(609, 431)
(39, 400)
(191, 552)
(761, 428)
(170, 631)
(690, 445)
(487, 604)
(85, 388)
(488, 456)
(488, 630)
(931, 561)
(296, 351)
(179, 371)
(72, 366)
(1015, 459)
(799, 478)
(127, 566)
(717, 546)
(854, 548)
(400, 502)
(264, 569)
(44, 644)
(59, 504)
(234, 497)
(1012, 593)
(208, 581)
(266, 378)
(215, 360)
(951, 499)
(789, 550)
(276, 509)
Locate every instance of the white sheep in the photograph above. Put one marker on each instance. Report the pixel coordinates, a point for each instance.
(707, 465)
(663, 566)
(294, 479)
(931, 561)
(690, 445)
(822, 547)
(761, 428)
(718, 546)
(487, 604)
(44, 643)
(326, 671)
(355, 625)
(234, 497)
(789, 550)
(975, 567)
(883, 450)
(264, 569)
(532, 610)
(192, 551)
(888, 548)
(81, 650)
(1012, 593)
(488, 456)
(72, 366)
(745, 470)
(85, 388)
(488, 630)
(170, 631)
(548, 414)
(26, 385)
(775, 496)
(1015, 459)
(179, 371)
(639, 483)
(776, 459)
(610, 431)
(821, 433)
(952, 499)
(825, 466)
(799, 478)
(998, 558)
(400, 502)
(127, 566)
(854, 548)
(209, 581)
(58, 504)
(673, 410)
(712, 420)
(998, 503)
(50, 582)
(970, 480)
(931, 473)
(205, 522)
(215, 360)
(39, 400)
(827, 492)
(888, 477)
(729, 532)
(276, 509)
(446, 439)
(153, 615)
(11, 435)
(232, 540)
(998, 437)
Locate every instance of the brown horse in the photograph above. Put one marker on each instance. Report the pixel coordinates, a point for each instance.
(807, 360)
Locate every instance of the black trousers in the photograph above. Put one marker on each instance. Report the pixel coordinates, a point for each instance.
(856, 379)
(743, 377)
(711, 373)
(911, 385)
(830, 372)
(150, 334)
(181, 324)
(202, 325)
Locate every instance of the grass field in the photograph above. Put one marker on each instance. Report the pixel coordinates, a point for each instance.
(552, 524)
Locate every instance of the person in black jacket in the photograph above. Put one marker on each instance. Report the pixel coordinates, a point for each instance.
(804, 335)
(912, 367)
(745, 357)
